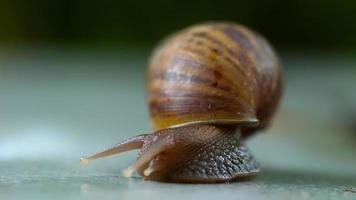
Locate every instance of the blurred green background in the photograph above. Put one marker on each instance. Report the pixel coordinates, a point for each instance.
(72, 82)
(289, 24)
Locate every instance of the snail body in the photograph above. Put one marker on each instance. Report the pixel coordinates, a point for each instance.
(209, 87)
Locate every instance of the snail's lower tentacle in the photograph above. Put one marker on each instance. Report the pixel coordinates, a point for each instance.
(127, 145)
(147, 154)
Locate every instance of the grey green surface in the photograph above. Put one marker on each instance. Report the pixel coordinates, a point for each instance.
(58, 104)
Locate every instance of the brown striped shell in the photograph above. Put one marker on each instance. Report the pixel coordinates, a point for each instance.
(218, 73)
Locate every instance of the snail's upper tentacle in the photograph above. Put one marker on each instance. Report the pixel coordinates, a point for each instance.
(127, 145)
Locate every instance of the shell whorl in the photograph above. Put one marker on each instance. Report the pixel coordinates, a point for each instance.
(213, 73)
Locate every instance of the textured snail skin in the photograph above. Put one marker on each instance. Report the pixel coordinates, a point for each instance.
(198, 153)
(209, 86)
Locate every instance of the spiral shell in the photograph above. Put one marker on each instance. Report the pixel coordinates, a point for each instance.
(219, 73)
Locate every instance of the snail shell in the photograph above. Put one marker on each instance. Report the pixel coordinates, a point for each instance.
(217, 73)
(209, 86)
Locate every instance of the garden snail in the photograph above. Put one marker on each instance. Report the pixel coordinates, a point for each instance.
(209, 87)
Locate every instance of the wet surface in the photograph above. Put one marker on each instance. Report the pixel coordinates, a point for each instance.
(57, 106)
(44, 180)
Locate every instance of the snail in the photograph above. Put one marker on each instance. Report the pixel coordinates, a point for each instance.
(209, 86)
